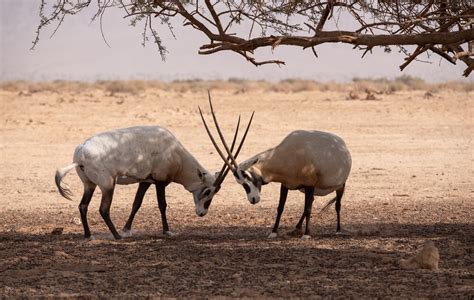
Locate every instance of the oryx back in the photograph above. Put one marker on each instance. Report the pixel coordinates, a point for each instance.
(133, 154)
(308, 158)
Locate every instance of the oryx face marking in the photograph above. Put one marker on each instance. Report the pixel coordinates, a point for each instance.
(251, 183)
(203, 198)
(203, 195)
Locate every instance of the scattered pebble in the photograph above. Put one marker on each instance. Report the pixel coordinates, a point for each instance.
(76, 221)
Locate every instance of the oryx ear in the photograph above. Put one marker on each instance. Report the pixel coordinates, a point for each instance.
(202, 175)
(248, 163)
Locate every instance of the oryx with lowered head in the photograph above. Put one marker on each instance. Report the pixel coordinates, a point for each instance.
(145, 155)
(314, 162)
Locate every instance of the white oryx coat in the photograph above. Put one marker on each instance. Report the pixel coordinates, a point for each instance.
(304, 158)
(135, 154)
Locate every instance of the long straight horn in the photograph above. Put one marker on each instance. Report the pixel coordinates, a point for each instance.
(214, 142)
(244, 136)
(220, 133)
(225, 170)
(241, 142)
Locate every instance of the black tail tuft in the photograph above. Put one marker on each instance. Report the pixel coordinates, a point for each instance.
(327, 205)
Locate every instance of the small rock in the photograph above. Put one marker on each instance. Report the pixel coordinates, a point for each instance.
(76, 221)
(61, 254)
(427, 258)
(57, 231)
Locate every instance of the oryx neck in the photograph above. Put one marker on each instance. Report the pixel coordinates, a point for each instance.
(261, 166)
(187, 175)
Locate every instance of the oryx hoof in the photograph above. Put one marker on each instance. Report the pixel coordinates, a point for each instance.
(295, 232)
(306, 237)
(169, 233)
(343, 233)
(273, 235)
(127, 233)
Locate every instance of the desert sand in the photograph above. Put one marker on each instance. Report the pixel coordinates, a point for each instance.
(411, 181)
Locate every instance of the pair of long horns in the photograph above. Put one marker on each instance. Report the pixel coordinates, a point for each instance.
(232, 165)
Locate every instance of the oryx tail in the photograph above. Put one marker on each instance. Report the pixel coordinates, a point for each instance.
(327, 205)
(60, 173)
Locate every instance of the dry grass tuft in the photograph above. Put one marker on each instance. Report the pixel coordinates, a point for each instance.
(372, 86)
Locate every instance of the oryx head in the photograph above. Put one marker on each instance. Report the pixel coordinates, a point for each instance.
(211, 184)
(247, 179)
(251, 182)
(205, 192)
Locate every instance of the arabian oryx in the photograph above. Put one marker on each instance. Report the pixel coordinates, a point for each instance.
(314, 162)
(145, 155)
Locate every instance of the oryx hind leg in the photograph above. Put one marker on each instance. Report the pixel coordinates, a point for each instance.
(106, 202)
(339, 194)
(89, 188)
(84, 205)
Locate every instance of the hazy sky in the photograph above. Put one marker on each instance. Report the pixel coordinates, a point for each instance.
(78, 52)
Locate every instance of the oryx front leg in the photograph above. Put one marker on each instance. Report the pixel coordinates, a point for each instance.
(281, 207)
(161, 197)
(107, 195)
(142, 188)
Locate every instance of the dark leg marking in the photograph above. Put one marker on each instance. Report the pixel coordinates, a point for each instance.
(160, 195)
(300, 222)
(339, 194)
(281, 207)
(104, 210)
(308, 203)
(142, 188)
(86, 199)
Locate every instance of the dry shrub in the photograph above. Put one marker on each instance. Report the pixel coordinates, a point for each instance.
(238, 85)
(295, 86)
(197, 85)
(455, 86)
(14, 86)
(389, 86)
(46, 86)
(412, 83)
(121, 87)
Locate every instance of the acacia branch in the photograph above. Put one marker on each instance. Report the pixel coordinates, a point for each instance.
(441, 27)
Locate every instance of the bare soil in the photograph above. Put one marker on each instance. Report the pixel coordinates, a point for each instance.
(411, 181)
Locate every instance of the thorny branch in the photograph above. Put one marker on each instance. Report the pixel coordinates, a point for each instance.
(442, 27)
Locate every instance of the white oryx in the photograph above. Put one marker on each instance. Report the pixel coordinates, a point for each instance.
(145, 155)
(314, 162)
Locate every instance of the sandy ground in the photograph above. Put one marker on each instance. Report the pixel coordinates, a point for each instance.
(411, 181)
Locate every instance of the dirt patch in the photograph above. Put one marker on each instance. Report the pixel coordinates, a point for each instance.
(411, 182)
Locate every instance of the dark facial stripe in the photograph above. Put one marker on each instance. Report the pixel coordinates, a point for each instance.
(246, 187)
